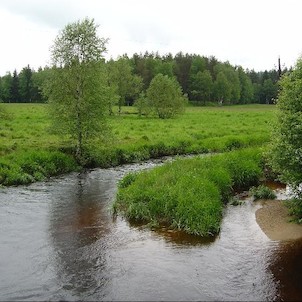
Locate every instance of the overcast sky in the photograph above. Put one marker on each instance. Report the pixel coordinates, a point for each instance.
(250, 33)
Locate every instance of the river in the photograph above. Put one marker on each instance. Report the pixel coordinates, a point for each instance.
(59, 241)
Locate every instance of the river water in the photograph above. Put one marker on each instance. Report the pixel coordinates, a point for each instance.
(59, 241)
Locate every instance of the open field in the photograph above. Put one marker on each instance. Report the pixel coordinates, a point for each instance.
(25, 139)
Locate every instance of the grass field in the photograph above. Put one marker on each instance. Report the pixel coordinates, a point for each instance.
(26, 142)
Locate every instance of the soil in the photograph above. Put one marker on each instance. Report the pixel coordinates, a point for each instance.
(274, 220)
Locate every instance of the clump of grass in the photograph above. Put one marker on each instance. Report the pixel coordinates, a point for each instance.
(127, 180)
(235, 201)
(262, 192)
(187, 194)
(145, 137)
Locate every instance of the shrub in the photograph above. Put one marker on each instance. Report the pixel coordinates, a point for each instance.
(295, 209)
(165, 96)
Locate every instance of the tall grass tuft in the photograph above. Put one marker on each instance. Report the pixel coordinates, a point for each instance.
(262, 192)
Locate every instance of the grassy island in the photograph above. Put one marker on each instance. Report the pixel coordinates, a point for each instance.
(188, 194)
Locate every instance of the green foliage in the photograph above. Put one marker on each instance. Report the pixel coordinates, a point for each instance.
(142, 104)
(188, 194)
(222, 88)
(131, 74)
(295, 209)
(127, 180)
(25, 87)
(286, 147)
(121, 77)
(262, 192)
(246, 86)
(165, 97)
(286, 151)
(6, 88)
(201, 86)
(78, 86)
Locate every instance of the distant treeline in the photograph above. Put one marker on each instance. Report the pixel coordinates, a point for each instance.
(203, 79)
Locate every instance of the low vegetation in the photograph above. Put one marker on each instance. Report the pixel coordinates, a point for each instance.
(32, 166)
(188, 194)
(295, 209)
(262, 192)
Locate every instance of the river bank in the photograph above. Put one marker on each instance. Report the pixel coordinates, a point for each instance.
(274, 220)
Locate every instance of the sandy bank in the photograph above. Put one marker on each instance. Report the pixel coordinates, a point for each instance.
(273, 219)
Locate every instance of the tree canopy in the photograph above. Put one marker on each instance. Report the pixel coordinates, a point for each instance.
(286, 148)
(286, 151)
(165, 96)
(128, 76)
(77, 89)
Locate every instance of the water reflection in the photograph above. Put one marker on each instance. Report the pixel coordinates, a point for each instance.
(79, 221)
(286, 266)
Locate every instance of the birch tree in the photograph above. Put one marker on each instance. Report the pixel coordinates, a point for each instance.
(77, 90)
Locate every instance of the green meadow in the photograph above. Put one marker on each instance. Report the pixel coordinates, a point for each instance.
(30, 152)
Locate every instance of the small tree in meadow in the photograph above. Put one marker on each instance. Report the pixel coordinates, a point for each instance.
(78, 89)
(166, 97)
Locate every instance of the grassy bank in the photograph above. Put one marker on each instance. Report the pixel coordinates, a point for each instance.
(199, 130)
(25, 140)
(28, 151)
(188, 194)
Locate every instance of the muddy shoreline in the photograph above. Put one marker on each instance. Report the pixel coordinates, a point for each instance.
(274, 221)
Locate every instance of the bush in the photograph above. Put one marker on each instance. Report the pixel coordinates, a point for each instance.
(165, 97)
(295, 209)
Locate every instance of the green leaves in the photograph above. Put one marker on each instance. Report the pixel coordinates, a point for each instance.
(77, 90)
(286, 147)
(165, 96)
(78, 43)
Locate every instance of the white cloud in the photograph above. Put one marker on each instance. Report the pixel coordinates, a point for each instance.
(248, 33)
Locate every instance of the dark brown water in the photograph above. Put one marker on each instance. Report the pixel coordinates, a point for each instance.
(58, 241)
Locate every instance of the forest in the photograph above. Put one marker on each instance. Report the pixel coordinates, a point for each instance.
(204, 80)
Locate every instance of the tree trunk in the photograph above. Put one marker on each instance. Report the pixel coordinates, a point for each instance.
(79, 150)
